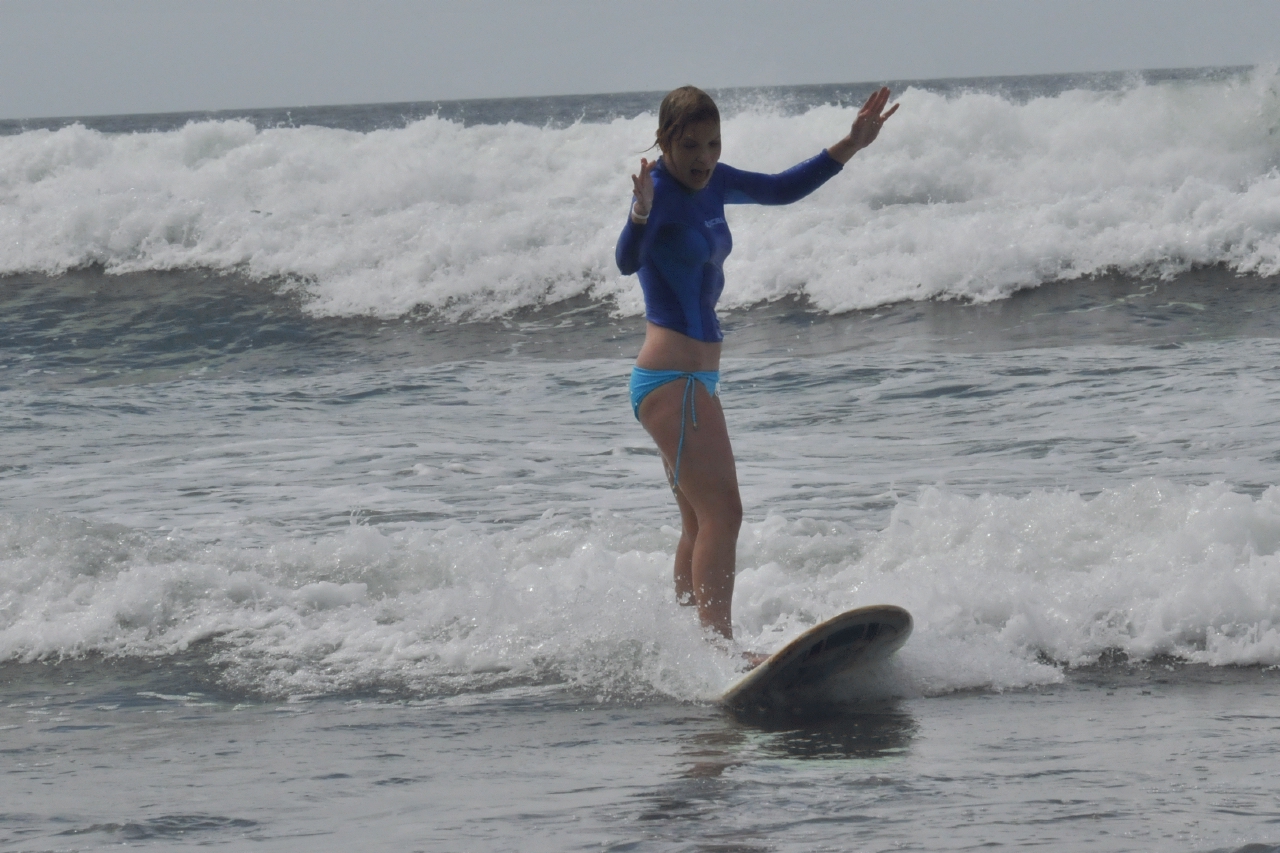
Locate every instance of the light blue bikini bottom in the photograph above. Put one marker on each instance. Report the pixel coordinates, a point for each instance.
(644, 382)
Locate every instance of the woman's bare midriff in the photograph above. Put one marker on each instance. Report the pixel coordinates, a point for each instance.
(665, 349)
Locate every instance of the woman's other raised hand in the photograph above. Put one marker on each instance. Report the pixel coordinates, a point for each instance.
(643, 189)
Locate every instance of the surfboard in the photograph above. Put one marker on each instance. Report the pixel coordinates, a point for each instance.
(855, 639)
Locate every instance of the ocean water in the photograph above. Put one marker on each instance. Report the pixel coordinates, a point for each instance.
(325, 523)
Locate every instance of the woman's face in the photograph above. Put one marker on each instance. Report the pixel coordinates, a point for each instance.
(693, 155)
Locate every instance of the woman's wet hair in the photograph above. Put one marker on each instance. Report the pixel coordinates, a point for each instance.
(681, 108)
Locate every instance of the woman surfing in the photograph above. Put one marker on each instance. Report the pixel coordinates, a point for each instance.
(676, 239)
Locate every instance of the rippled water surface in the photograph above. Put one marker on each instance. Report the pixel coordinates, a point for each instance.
(325, 523)
(1119, 757)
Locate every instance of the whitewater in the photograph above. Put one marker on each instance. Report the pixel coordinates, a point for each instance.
(324, 518)
(979, 196)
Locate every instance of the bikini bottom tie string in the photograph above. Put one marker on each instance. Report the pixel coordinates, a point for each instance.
(687, 404)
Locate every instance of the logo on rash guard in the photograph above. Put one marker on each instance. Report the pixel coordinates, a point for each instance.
(712, 223)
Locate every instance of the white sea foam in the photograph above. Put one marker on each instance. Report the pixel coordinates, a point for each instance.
(971, 196)
(996, 584)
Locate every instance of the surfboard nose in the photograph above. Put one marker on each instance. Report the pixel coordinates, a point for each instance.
(832, 648)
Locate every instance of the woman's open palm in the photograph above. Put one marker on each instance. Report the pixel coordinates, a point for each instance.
(866, 127)
(643, 188)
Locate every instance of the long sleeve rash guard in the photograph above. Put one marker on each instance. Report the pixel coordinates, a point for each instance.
(680, 251)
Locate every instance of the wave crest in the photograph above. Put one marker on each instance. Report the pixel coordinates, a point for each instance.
(972, 195)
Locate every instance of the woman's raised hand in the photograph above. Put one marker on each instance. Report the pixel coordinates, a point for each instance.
(866, 127)
(643, 189)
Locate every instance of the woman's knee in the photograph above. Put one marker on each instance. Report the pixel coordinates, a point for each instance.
(723, 512)
(689, 525)
(733, 511)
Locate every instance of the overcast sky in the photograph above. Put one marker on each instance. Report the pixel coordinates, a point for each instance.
(96, 57)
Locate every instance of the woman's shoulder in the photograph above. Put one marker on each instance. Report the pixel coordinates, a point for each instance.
(725, 179)
(666, 189)
(725, 173)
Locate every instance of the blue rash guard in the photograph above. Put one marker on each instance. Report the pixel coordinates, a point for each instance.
(680, 251)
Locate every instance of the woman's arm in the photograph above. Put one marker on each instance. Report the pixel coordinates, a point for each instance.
(783, 188)
(627, 252)
(642, 189)
(866, 127)
(800, 180)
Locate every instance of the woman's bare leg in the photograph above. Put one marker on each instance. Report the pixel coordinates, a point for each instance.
(684, 548)
(707, 493)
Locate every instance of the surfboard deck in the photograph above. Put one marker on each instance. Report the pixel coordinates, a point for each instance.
(855, 638)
